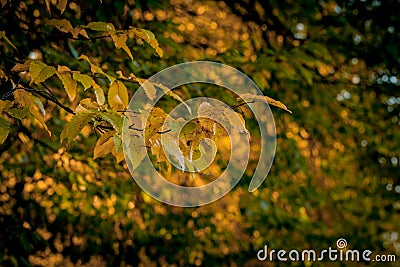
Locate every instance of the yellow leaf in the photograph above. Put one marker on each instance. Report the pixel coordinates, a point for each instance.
(118, 95)
(25, 99)
(248, 97)
(87, 103)
(96, 69)
(70, 85)
(84, 79)
(100, 26)
(62, 25)
(100, 98)
(40, 71)
(104, 145)
(62, 4)
(149, 88)
(154, 122)
(148, 37)
(5, 104)
(79, 31)
(120, 42)
(62, 69)
(39, 117)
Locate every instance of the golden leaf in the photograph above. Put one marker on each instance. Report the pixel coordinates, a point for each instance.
(118, 95)
(104, 145)
(40, 71)
(120, 42)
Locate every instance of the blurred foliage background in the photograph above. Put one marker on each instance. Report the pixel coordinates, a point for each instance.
(335, 64)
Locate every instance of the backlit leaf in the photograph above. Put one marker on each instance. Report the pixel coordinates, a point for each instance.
(40, 71)
(100, 26)
(84, 79)
(118, 95)
(115, 119)
(154, 122)
(120, 42)
(148, 37)
(96, 69)
(104, 145)
(99, 92)
(70, 85)
(248, 97)
(75, 126)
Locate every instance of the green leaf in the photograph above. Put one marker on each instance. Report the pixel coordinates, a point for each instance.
(75, 126)
(4, 129)
(84, 79)
(100, 26)
(19, 113)
(40, 71)
(115, 119)
(62, 25)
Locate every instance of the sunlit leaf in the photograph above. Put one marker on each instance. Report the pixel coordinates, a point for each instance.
(84, 79)
(96, 69)
(104, 145)
(248, 97)
(115, 119)
(75, 126)
(99, 92)
(154, 122)
(100, 26)
(119, 40)
(148, 37)
(40, 71)
(118, 95)
(70, 84)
